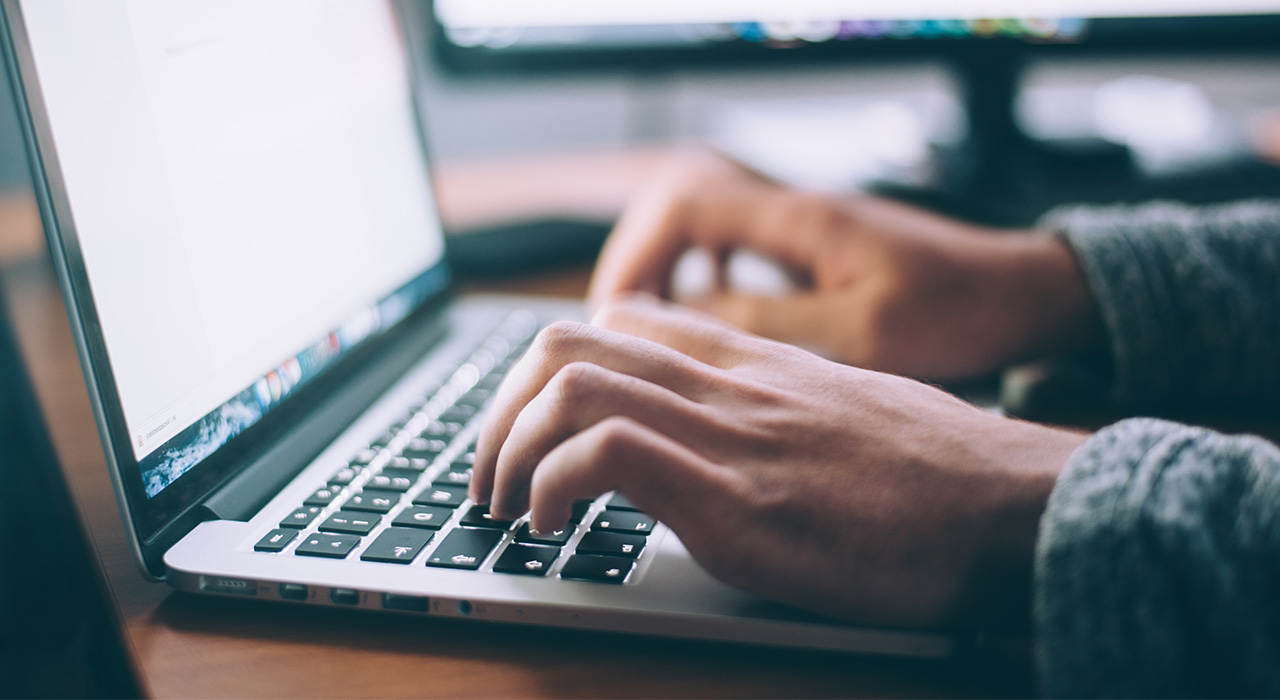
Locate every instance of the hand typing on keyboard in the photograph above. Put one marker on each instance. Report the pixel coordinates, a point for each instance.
(841, 490)
(877, 284)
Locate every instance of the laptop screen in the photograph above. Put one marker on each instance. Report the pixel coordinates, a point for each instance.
(249, 195)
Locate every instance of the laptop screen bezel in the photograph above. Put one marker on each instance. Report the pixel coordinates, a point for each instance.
(151, 522)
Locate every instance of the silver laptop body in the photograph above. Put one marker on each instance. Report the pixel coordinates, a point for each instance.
(238, 204)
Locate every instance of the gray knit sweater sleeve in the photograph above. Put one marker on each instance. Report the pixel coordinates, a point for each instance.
(1188, 295)
(1158, 566)
(1158, 561)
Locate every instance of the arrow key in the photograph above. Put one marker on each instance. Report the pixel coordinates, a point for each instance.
(526, 560)
(397, 545)
(613, 544)
(587, 567)
(557, 538)
(624, 521)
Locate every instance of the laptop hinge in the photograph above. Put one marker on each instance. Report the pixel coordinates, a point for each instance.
(242, 496)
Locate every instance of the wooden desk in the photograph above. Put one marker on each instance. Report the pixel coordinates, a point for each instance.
(192, 646)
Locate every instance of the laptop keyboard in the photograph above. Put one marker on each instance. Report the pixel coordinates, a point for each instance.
(401, 501)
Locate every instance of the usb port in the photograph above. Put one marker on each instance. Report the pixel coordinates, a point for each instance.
(293, 591)
(344, 596)
(408, 603)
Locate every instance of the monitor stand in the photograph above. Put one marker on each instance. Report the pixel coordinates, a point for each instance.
(1000, 175)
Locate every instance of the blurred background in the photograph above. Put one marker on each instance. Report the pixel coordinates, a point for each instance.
(989, 120)
(811, 104)
(829, 124)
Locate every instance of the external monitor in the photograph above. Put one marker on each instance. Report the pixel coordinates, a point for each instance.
(984, 42)
(515, 34)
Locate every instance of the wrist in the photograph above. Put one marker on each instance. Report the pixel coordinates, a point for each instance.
(1049, 303)
(1027, 461)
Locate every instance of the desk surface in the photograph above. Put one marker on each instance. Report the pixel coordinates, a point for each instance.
(186, 645)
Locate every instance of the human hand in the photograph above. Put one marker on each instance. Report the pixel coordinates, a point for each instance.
(883, 285)
(848, 492)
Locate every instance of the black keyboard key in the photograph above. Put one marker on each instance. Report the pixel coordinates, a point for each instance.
(451, 496)
(580, 509)
(322, 497)
(415, 465)
(620, 502)
(442, 430)
(478, 516)
(454, 476)
(301, 517)
(624, 521)
(344, 476)
(351, 522)
(464, 548)
(329, 546)
(397, 545)
(428, 517)
(401, 472)
(557, 538)
(373, 501)
(399, 484)
(613, 544)
(276, 540)
(364, 457)
(585, 567)
(526, 560)
(424, 448)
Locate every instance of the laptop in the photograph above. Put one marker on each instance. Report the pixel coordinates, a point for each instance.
(239, 206)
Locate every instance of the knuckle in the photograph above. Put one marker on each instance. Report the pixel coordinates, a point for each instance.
(559, 338)
(575, 383)
(614, 440)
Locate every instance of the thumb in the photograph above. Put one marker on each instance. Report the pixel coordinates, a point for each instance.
(802, 319)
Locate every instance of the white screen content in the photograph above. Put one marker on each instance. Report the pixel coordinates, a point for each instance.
(243, 176)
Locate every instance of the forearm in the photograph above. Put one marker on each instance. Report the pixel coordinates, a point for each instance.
(1187, 296)
(1157, 566)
